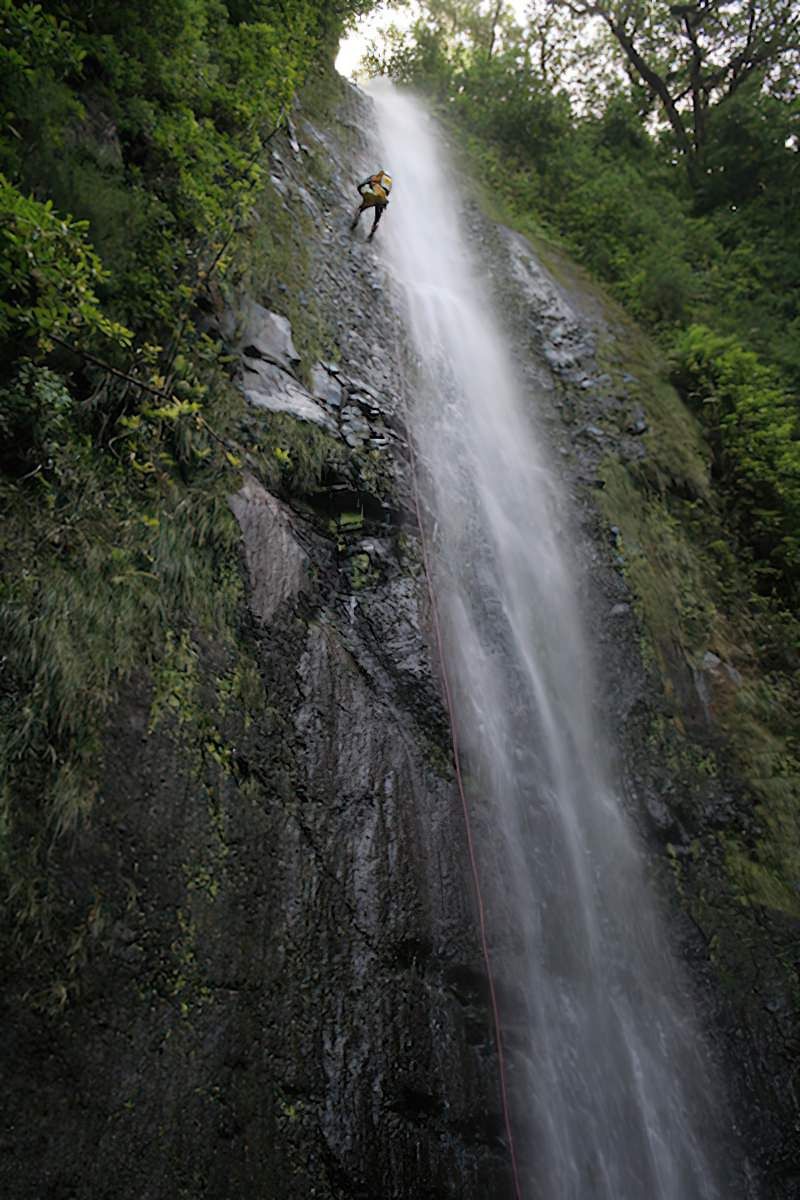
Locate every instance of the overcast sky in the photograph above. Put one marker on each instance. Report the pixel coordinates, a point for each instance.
(352, 47)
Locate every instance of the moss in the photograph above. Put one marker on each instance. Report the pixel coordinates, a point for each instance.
(763, 726)
(677, 459)
(668, 576)
(324, 91)
(682, 758)
(686, 610)
(293, 456)
(109, 570)
(361, 572)
(273, 265)
(692, 598)
(186, 983)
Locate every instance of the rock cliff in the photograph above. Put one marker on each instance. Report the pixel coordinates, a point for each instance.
(277, 988)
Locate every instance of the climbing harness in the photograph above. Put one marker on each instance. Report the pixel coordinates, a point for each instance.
(473, 860)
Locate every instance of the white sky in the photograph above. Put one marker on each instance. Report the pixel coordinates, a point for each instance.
(353, 46)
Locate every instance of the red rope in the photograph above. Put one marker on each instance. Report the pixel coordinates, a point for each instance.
(468, 825)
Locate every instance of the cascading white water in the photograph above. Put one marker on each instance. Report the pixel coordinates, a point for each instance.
(618, 1101)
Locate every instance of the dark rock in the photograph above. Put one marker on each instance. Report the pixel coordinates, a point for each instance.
(632, 452)
(638, 423)
(357, 386)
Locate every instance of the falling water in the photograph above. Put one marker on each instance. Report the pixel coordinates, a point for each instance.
(612, 1097)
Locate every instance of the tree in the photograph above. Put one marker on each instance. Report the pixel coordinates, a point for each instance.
(477, 24)
(696, 55)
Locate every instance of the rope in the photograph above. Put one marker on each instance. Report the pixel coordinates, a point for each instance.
(473, 860)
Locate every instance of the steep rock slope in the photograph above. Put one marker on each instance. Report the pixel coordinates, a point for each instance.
(276, 989)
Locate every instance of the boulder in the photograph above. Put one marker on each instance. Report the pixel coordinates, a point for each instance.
(266, 386)
(267, 335)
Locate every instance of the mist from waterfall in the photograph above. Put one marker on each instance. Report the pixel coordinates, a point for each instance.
(613, 1098)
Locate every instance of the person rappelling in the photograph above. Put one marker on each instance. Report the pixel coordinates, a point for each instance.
(374, 193)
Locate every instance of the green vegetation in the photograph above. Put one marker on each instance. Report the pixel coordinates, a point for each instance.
(753, 429)
(148, 122)
(133, 139)
(696, 597)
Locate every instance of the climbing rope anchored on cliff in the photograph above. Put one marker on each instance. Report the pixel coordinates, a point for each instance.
(374, 193)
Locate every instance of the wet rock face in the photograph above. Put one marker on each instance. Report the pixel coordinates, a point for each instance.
(271, 1000)
(559, 328)
(281, 993)
(268, 387)
(265, 335)
(277, 566)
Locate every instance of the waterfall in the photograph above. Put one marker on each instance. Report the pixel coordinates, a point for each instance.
(612, 1094)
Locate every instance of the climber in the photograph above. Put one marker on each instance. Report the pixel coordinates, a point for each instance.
(374, 193)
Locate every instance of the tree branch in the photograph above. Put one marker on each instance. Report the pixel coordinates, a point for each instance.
(658, 85)
(498, 9)
(695, 74)
(104, 366)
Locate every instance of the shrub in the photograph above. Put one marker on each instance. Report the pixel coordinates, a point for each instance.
(48, 274)
(755, 436)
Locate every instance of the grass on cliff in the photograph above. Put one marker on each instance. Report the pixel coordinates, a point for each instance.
(274, 268)
(695, 596)
(112, 555)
